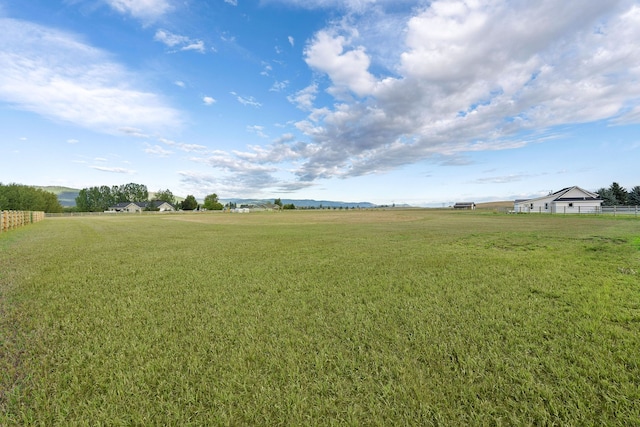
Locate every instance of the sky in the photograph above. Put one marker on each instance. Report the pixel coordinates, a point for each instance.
(385, 101)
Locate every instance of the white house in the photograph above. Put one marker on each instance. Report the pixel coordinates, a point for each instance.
(126, 207)
(568, 200)
(158, 205)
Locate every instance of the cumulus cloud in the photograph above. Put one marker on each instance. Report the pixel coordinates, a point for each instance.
(471, 76)
(454, 77)
(348, 68)
(207, 100)
(304, 98)
(56, 75)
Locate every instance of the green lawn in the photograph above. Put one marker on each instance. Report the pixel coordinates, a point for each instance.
(397, 317)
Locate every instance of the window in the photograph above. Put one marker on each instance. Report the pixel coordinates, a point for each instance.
(546, 206)
(570, 205)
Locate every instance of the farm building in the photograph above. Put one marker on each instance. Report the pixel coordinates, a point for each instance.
(140, 206)
(465, 205)
(568, 200)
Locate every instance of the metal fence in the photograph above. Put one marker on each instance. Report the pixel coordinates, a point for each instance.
(602, 210)
(621, 210)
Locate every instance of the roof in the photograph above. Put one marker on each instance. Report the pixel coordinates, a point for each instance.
(558, 196)
(142, 205)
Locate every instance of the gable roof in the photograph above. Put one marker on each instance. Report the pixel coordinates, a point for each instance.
(572, 194)
(142, 205)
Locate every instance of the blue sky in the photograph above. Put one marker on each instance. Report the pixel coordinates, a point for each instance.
(386, 101)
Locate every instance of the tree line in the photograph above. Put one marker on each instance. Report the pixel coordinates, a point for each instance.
(616, 195)
(18, 197)
(101, 198)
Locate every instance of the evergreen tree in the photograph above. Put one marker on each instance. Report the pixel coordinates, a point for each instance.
(634, 196)
(608, 199)
(619, 193)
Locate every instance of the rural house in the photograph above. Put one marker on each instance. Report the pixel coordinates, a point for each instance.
(140, 206)
(568, 200)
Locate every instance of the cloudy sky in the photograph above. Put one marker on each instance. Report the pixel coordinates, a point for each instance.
(386, 101)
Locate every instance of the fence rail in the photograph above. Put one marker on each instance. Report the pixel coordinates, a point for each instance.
(10, 220)
(606, 210)
(621, 210)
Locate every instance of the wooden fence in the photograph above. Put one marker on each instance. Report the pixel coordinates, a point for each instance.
(10, 220)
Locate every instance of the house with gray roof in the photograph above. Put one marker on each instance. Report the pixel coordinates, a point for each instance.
(574, 200)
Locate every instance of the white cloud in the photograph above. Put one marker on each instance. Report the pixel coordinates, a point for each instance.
(197, 45)
(348, 69)
(146, 10)
(231, 2)
(54, 74)
(72, 141)
(348, 5)
(291, 40)
(179, 42)
(258, 130)
(247, 100)
(184, 147)
(132, 131)
(170, 39)
(180, 84)
(207, 100)
(157, 150)
(464, 76)
(114, 170)
(471, 76)
(304, 98)
(279, 86)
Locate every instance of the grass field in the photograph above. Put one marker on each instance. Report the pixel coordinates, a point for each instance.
(396, 317)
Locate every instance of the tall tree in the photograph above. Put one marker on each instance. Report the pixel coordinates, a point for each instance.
(95, 199)
(620, 194)
(165, 196)
(608, 199)
(211, 202)
(26, 198)
(189, 203)
(133, 192)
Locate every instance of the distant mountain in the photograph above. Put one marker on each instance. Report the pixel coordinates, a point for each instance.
(302, 203)
(66, 196)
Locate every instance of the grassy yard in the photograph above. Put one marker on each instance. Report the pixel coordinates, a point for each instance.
(397, 317)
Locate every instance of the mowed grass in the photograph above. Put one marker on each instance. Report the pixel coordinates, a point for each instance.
(397, 317)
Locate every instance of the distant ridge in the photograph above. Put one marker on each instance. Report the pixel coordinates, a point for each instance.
(66, 195)
(67, 198)
(302, 203)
